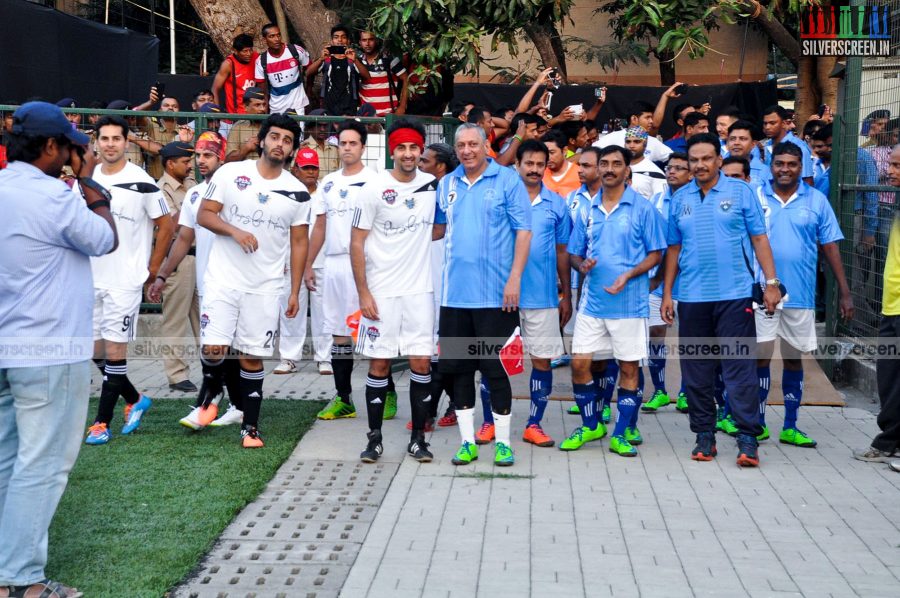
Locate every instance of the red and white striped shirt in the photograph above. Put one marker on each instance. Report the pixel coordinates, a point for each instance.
(377, 90)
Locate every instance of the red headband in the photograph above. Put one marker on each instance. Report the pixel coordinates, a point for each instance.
(213, 142)
(405, 136)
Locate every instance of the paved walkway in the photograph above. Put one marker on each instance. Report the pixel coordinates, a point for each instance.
(809, 522)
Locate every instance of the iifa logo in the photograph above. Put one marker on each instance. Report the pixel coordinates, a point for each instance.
(838, 29)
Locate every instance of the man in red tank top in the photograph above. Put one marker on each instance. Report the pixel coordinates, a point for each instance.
(235, 75)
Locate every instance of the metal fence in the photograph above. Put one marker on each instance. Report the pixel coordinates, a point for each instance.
(866, 127)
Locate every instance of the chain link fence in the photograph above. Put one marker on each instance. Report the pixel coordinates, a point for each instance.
(866, 128)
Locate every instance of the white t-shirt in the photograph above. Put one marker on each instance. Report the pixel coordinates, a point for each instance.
(399, 217)
(373, 155)
(656, 151)
(267, 209)
(285, 80)
(319, 262)
(136, 202)
(203, 237)
(647, 178)
(338, 200)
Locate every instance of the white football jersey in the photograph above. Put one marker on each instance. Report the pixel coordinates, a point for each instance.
(136, 202)
(399, 217)
(338, 200)
(203, 237)
(267, 209)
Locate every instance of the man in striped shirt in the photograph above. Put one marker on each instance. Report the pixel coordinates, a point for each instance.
(385, 87)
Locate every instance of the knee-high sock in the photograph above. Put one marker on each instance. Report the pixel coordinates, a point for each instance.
(612, 376)
(252, 394)
(342, 366)
(503, 423)
(657, 365)
(101, 365)
(390, 386)
(465, 419)
(541, 384)
(599, 384)
(626, 406)
(419, 401)
(640, 388)
(585, 398)
(214, 372)
(232, 379)
(115, 376)
(792, 385)
(486, 402)
(376, 395)
(436, 388)
(637, 411)
(765, 380)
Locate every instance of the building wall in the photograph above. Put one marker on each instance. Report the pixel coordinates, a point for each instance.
(712, 68)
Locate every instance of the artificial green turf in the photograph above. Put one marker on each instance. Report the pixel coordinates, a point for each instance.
(140, 512)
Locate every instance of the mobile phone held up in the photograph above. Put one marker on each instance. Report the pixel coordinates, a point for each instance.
(337, 50)
(160, 89)
(681, 89)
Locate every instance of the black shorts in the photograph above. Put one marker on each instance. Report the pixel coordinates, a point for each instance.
(471, 339)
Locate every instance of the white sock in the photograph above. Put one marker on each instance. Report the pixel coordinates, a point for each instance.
(501, 428)
(465, 419)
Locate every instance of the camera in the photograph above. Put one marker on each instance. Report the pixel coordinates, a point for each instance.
(681, 89)
(337, 50)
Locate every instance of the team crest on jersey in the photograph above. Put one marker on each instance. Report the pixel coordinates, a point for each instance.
(451, 197)
(328, 186)
(725, 204)
(194, 197)
(389, 196)
(410, 202)
(686, 210)
(489, 194)
(343, 193)
(574, 205)
(242, 182)
(372, 333)
(262, 197)
(204, 320)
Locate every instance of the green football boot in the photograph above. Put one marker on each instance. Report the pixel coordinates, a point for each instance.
(621, 447)
(633, 436)
(337, 409)
(659, 400)
(504, 456)
(467, 453)
(681, 403)
(797, 438)
(390, 406)
(582, 435)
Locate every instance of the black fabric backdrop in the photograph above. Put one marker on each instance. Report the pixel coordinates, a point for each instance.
(52, 55)
(750, 98)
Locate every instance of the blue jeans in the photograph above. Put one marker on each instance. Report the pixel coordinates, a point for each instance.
(42, 416)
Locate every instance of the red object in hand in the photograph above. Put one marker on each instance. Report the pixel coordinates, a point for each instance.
(353, 323)
(512, 355)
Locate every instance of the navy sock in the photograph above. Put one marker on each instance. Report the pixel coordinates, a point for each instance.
(637, 410)
(640, 388)
(612, 376)
(657, 366)
(765, 380)
(486, 402)
(585, 396)
(792, 385)
(541, 383)
(626, 406)
(599, 384)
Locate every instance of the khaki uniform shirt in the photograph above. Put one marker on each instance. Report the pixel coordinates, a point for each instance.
(329, 157)
(240, 132)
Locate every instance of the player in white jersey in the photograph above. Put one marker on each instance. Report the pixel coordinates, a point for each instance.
(137, 207)
(331, 234)
(260, 214)
(390, 251)
(209, 154)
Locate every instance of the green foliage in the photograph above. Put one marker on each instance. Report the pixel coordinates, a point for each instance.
(669, 28)
(609, 56)
(448, 33)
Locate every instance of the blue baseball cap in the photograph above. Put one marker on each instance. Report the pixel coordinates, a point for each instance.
(40, 119)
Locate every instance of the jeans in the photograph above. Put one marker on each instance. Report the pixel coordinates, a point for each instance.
(887, 370)
(42, 416)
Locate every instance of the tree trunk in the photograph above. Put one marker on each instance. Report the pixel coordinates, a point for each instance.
(547, 42)
(312, 22)
(807, 99)
(281, 21)
(779, 35)
(225, 19)
(666, 68)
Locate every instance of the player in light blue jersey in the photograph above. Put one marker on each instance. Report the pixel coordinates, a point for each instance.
(621, 241)
(542, 311)
(742, 138)
(800, 220)
(775, 127)
(715, 225)
(579, 202)
(488, 216)
(678, 174)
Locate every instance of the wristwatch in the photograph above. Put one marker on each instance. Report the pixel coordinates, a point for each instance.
(773, 282)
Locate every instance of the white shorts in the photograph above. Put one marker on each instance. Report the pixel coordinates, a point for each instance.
(624, 339)
(655, 319)
(116, 314)
(339, 297)
(246, 321)
(406, 327)
(540, 332)
(796, 326)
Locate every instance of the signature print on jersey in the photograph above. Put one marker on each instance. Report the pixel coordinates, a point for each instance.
(242, 182)
(257, 219)
(413, 223)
